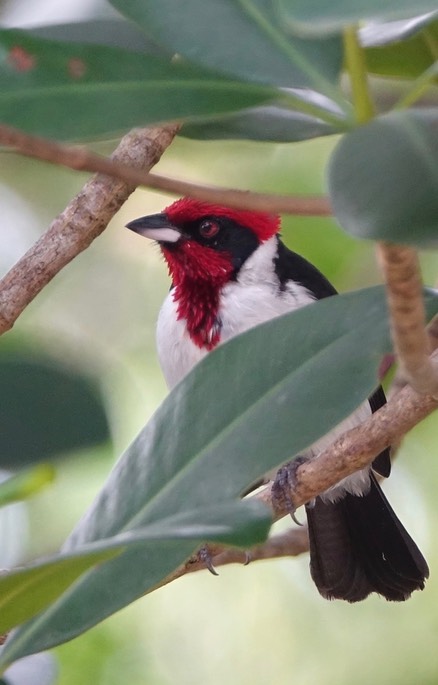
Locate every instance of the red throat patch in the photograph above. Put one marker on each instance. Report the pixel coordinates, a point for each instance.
(262, 224)
(198, 274)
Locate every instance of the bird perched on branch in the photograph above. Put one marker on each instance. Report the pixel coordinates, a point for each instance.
(230, 271)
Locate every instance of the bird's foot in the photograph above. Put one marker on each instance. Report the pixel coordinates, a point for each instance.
(283, 486)
(248, 557)
(204, 556)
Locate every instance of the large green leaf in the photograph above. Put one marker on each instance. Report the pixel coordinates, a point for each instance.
(74, 90)
(383, 178)
(240, 37)
(322, 17)
(247, 407)
(116, 33)
(25, 592)
(45, 409)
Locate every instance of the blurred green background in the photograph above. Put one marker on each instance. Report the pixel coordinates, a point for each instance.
(256, 624)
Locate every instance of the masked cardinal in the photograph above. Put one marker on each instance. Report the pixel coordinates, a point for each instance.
(230, 271)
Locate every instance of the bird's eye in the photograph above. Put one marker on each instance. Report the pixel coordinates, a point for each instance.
(208, 228)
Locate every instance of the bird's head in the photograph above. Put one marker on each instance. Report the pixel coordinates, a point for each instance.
(206, 242)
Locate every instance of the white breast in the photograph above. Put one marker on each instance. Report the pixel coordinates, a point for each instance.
(177, 352)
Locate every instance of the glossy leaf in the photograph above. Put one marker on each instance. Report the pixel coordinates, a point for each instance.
(377, 34)
(25, 592)
(321, 17)
(241, 38)
(274, 124)
(45, 409)
(306, 372)
(383, 179)
(73, 90)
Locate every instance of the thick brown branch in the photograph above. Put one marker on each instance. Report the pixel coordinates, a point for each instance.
(79, 224)
(80, 158)
(408, 321)
(350, 452)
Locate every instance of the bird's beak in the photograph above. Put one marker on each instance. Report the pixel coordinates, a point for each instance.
(156, 227)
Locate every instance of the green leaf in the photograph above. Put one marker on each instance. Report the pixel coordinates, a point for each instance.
(383, 179)
(244, 37)
(45, 409)
(80, 91)
(322, 17)
(306, 371)
(25, 592)
(408, 59)
(274, 124)
(25, 484)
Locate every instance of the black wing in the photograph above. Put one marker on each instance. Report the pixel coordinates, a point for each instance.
(291, 266)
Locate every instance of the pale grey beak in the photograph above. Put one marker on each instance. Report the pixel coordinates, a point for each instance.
(156, 227)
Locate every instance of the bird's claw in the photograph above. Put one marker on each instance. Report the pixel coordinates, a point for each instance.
(204, 556)
(284, 483)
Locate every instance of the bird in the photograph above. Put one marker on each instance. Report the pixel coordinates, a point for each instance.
(231, 271)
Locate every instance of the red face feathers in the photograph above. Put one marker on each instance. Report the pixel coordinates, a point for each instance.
(187, 209)
(205, 246)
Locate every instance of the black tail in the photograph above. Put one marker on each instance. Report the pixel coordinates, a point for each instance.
(358, 546)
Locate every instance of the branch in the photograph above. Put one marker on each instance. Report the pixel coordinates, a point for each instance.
(292, 543)
(352, 451)
(80, 223)
(82, 159)
(412, 343)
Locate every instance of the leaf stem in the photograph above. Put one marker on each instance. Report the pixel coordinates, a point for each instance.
(418, 88)
(357, 69)
(295, 103)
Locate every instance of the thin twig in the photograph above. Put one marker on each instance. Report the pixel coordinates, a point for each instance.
(412, 345)
(292, 543)
(86, 216)
(352, 451)
(82, 159)
(306, 205)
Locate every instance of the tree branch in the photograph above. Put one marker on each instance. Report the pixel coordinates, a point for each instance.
(352, 451)
(82, 159)
(412, 343)
(80, 223)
